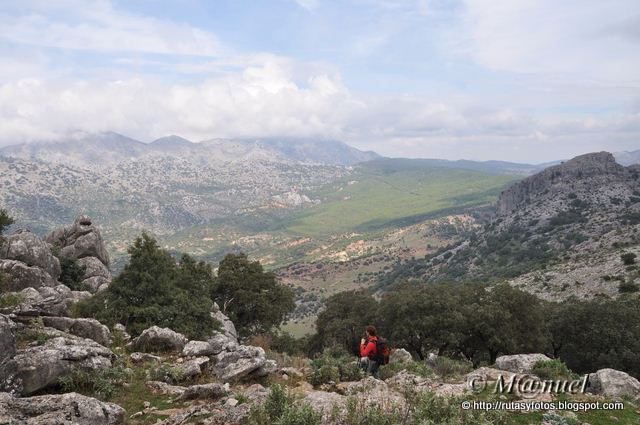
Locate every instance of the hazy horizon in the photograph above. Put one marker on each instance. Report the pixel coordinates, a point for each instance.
(527, 82)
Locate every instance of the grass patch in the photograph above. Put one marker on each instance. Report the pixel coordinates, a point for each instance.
(399, 191)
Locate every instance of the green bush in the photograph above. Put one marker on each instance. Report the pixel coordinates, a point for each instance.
(335, 366)
(10, 300)
(280, 408)
(446, 367)
(71, 274)
(253, 299)
(553, 369)
(424, 408)
(99, 384)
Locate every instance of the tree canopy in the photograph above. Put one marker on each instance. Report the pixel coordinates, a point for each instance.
(154, 289)
(252, 298)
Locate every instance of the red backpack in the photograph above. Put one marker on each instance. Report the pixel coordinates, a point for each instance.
(382, 351)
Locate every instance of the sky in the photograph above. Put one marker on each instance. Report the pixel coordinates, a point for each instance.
(519, 80)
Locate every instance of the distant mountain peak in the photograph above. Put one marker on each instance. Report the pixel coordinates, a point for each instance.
(172, 140)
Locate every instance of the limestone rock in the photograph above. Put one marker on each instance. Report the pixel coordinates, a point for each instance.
(228, 328)
(198, 348)
(192, 368)
(84, 328)
(144, 357)
(94, 267)
(21, 276)
(159, 387)
(64, 409)
(400, 355)
(221, 342)
(614, 383)
(82, 239)
(520, 363)
(159, 339)
(29, 249)
(205, 391)
(45, 301)
(7, 339)
(42, 366)
(236, 365)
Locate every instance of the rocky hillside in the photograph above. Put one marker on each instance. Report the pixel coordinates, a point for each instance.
(57, 369)
(558, 233)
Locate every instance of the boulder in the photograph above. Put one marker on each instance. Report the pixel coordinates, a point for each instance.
(29, 249)
(198, 348)
(520, 363)
(159, 339)
(235, 365)
(221, 342)
(614, 383)
(205, 391)
(80, 240)
(94, 268)
(45, 301)
(192, 368)
(84, 328)
(21, 276)
(400, 355)
(144, 357)
(7, 339)
(159, 387)
(8, 367)
(228, 328)
(41, 366)
(63, 409)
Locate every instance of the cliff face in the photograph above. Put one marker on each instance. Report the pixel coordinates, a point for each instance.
(581, 173)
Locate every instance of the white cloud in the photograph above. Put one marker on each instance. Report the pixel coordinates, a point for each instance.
(97, 26)
(265, 100)
(591, 40)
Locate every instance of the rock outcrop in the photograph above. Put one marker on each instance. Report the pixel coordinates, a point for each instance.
(228, 328)
(400, 355)
(592, 167)
(84, 328)
(22, 276)
(83, 242)
(29, 249)
(520, 363)
(157, 339)
(7, 339)
(71, 409)
(38, 367)
(241, 362)
(614, 383)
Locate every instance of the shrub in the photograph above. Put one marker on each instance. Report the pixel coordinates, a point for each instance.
(417, 368)
(10, 300)
(446, 367)
(553, 369)
(628, 287)
(99, 384)
(280, 408)
(628, 258)
(72, 273)
(334, 366)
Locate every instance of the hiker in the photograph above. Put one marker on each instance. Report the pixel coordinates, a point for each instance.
(373, 352)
